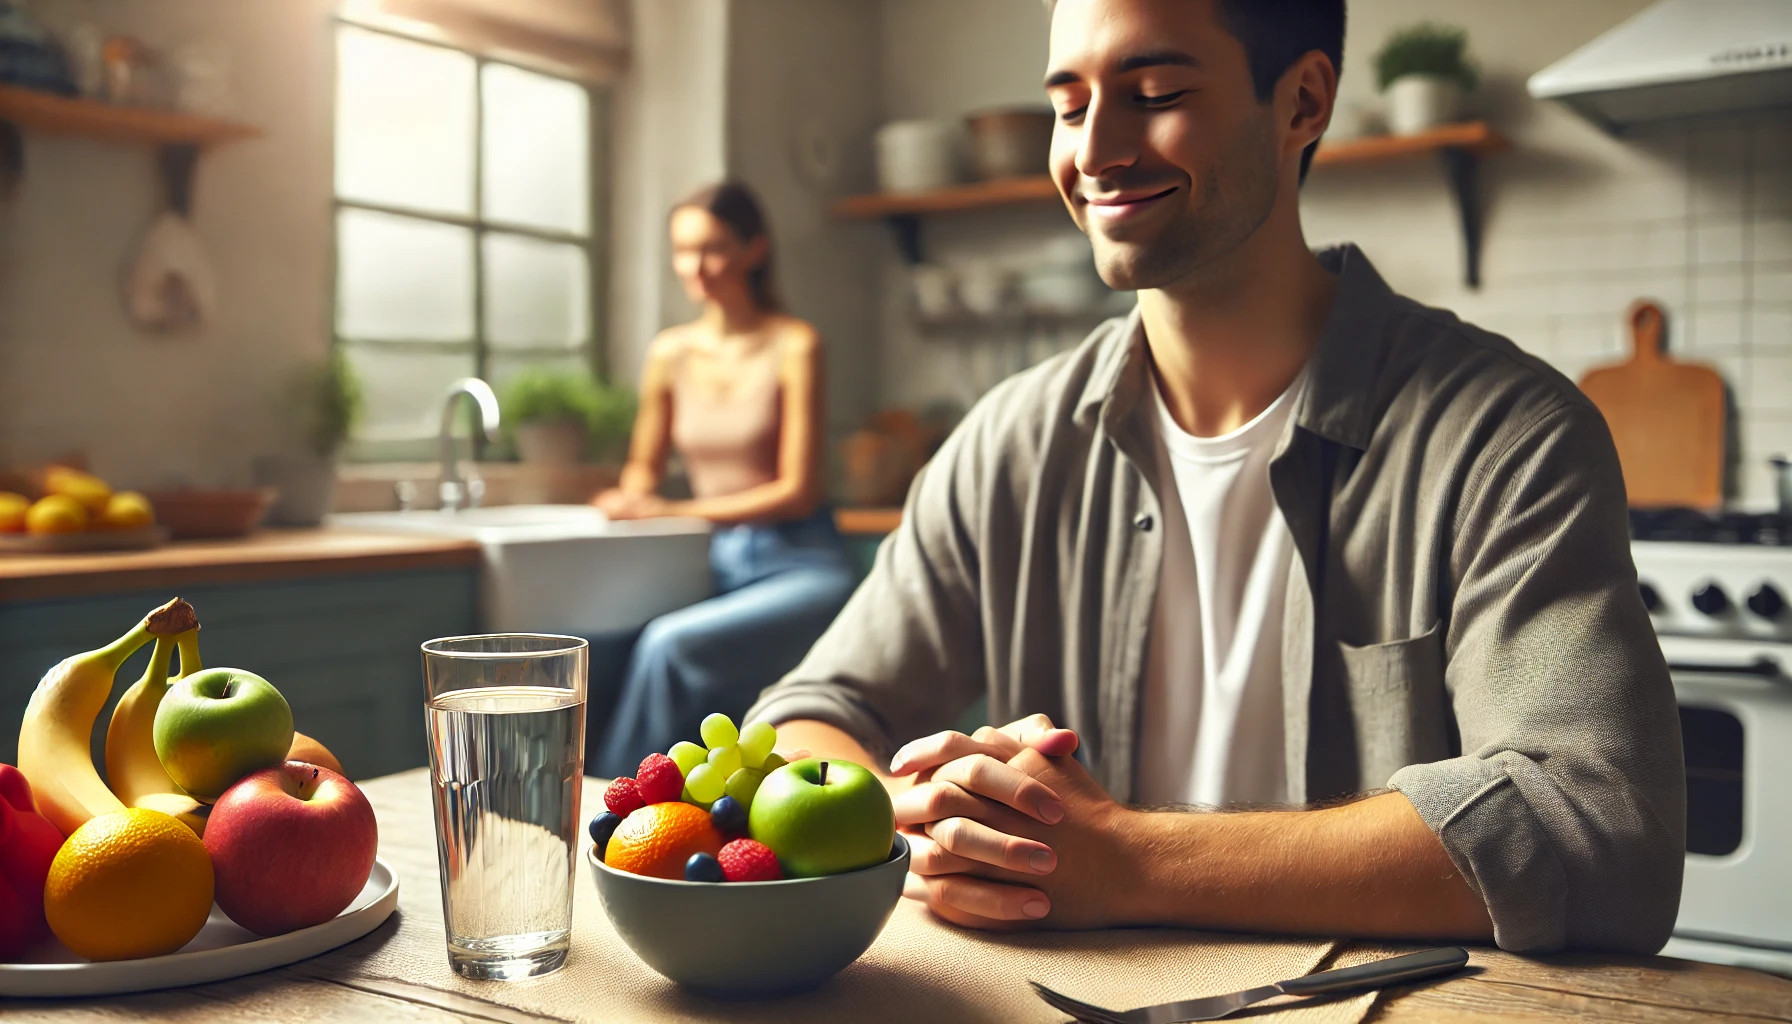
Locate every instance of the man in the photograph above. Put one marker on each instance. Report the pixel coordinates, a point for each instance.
(1279, 538)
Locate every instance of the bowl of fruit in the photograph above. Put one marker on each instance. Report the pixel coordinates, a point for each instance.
(736, 874)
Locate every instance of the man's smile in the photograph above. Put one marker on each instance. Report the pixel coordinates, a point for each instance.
(1120, 207)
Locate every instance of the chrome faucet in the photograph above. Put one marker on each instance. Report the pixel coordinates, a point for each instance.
(459, 491)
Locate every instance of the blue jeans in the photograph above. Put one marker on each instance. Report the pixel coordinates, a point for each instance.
(778, 587)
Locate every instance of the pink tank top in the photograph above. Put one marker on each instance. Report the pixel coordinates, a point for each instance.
(727, 427)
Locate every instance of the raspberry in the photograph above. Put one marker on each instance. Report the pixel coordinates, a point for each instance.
(659, 780)
(745, 860)
(623, 796)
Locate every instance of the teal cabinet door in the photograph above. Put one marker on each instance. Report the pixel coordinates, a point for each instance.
(342, 649)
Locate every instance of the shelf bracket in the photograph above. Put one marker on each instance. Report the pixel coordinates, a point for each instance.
(907, 227)
(1461, 166)
(178, 163)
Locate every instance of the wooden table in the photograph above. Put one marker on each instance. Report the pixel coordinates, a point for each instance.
(338, 986)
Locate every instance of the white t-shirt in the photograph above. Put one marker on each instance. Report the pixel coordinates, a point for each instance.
(1211, 724)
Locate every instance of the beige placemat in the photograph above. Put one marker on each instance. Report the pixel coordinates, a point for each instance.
(920, 969)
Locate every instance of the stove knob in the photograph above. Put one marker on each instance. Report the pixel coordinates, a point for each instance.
(1651, 599)
(1711, 599)
(1767, 602)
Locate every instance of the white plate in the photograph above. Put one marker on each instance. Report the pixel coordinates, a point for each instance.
(220, 950)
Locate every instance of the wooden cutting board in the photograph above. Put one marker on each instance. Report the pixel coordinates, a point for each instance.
(1667, 418)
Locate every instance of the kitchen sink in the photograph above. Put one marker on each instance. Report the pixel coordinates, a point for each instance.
(567, 568)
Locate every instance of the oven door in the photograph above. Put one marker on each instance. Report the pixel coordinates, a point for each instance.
(1736, 723)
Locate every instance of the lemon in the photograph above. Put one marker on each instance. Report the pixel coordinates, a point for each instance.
(57, 513)
(128, 884)
(89, 490)
(127, 510)
(12, 512)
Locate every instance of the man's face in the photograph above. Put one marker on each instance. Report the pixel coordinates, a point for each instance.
(1164, 156)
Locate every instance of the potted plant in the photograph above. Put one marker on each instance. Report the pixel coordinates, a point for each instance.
(554, 415)
(330, 401)
(612, 423)
(1424, 70)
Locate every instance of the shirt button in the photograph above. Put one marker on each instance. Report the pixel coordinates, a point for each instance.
(1144, 522)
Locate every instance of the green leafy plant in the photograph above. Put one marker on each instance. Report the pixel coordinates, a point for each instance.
(1427, 49)
(547, 395)
(331, 395)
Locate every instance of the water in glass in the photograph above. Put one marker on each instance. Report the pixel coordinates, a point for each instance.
(507, 762)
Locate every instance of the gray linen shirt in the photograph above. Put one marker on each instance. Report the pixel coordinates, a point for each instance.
(1463, 621)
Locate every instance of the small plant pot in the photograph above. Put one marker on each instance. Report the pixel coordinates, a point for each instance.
(1417, 103)
(553, 443)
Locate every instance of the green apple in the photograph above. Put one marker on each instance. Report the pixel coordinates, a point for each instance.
(216, 726)
(823, 817)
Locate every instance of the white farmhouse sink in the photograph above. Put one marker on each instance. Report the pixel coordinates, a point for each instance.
(568, 568)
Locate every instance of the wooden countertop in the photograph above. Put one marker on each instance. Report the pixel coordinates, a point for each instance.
(400, 973)
(261, 557)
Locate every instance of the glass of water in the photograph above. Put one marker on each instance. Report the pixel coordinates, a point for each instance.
(506, 755)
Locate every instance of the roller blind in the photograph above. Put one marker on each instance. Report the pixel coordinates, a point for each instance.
(584, 39)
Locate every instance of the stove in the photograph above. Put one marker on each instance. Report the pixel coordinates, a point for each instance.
(1719, 590)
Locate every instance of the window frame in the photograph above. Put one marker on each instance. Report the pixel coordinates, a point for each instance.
(594, 243)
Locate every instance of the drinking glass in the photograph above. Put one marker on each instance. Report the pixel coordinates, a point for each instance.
(506, 755)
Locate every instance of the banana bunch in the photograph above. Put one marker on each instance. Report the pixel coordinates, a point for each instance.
(54, 737)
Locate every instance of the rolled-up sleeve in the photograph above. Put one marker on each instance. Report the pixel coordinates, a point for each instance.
(1566, 811)
(905, 657)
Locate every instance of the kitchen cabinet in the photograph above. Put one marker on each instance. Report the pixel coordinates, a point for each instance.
(342, 648)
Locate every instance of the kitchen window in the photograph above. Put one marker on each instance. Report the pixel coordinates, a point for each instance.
(467, 226)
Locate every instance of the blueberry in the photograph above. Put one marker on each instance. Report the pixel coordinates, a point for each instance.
(602, 828)
(702, 868)
(728, 816)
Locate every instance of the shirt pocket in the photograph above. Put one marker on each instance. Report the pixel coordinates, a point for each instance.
(1398, 703)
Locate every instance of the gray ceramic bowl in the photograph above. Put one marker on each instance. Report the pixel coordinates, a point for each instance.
(752, 938)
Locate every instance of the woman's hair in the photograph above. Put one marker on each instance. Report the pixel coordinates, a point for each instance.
(735, 205)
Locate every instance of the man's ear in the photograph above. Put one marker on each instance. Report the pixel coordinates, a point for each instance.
(1306, 96)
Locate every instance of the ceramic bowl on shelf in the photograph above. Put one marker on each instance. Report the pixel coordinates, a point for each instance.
(736, 939)
(192, 515)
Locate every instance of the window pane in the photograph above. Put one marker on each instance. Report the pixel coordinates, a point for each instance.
(404, 123)
(537, 294)
(398, 278)
(537, 150)
(405, 390)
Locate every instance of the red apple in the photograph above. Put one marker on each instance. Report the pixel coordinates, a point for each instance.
(291, 846)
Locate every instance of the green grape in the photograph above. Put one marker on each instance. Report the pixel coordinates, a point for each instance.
(726, 760)
(773, 762)
(756, 741)
(688, 755)
(706, 784)
(718, 731)
(743, 784)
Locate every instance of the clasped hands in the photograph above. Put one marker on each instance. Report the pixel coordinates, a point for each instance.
(620, 505)
(1009, 831)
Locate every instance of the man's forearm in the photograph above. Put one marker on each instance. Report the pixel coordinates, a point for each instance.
(1368, 868)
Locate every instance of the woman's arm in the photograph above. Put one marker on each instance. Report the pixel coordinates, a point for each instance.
(794, 493)
(652, 435)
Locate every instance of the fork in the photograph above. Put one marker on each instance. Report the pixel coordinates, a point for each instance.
(1374, 974)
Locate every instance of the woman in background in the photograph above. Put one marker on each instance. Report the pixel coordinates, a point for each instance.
(738, 392)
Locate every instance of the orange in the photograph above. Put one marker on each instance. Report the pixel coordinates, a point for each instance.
(657, 839)
(12, 512)
(131, 883)
(57, 513)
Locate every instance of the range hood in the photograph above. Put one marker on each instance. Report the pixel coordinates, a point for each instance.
(1678, 59)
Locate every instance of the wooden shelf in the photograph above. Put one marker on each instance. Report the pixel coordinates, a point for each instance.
(1459, 147)
(63, 115)
(1475, 137)
(955, 199)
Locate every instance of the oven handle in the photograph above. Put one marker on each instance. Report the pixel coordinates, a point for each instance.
(1763, 666)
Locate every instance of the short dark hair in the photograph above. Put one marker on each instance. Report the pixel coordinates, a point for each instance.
(1275, 34)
